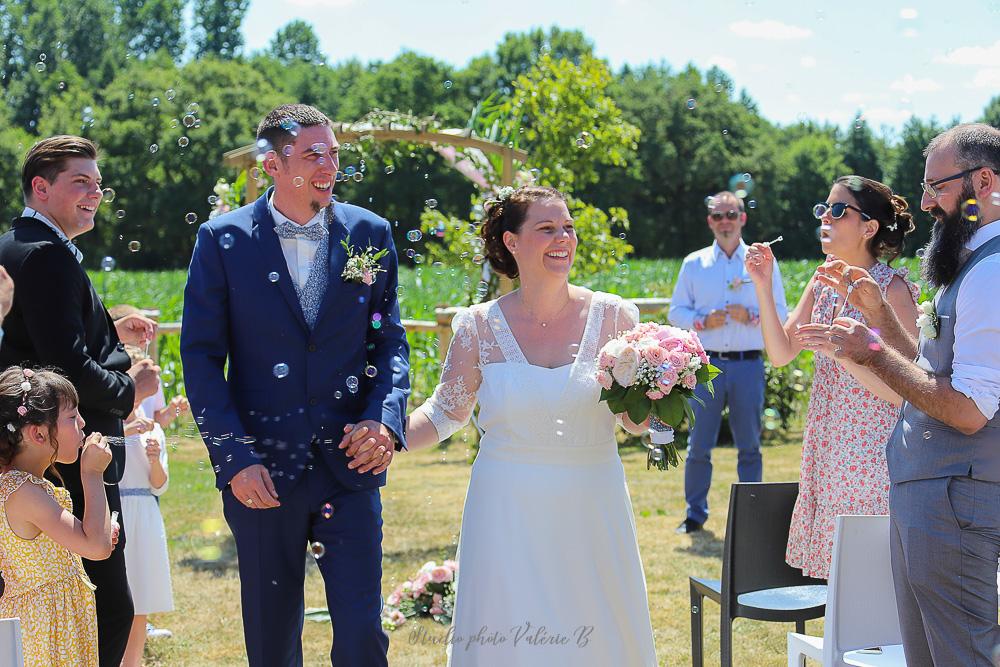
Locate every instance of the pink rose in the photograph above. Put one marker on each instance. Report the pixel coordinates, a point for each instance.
(395, 597)
(689, 381)
(667, 380)
(451, 565)
(436, 611)
(397, 618)
(440, 575)
(654, 355)
(606, 360)
(604, 379)
(654, 395)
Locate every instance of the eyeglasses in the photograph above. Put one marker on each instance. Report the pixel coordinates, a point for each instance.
(837, 210)
(931, 187)
(732, 215)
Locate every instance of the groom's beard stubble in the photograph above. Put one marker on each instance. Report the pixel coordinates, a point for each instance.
(942, 258)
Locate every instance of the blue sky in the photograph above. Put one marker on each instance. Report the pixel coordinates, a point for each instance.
(797, 59)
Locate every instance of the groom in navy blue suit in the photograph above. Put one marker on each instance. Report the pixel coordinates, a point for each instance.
(296, 295)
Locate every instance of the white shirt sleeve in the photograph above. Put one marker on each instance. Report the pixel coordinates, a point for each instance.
(976, 365)
(683, 311)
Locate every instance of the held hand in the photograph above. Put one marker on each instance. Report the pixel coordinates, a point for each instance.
(715, 319)
(370, 444)
(135, 329)
(738, 313)
(854, 283)
(96, 454)
(146, 376)
(6, 293)
(138, 426)
(253, 487)
(816, 337)
(759, 264)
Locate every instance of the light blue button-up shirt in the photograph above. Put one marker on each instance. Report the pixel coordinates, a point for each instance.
(709, 280)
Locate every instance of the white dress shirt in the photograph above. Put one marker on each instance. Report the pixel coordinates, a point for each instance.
(29, 212)
(299, 252)
(976, 365)
(710, 280)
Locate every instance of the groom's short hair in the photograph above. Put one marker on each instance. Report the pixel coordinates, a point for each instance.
(278, 128)
(976, 145)
(48, 158)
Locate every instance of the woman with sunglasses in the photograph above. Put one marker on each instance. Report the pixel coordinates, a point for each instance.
(851, 412)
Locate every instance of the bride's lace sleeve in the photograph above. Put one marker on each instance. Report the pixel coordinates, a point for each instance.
(451, 405)
(626, 316)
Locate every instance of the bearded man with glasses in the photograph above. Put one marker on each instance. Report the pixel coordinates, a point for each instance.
(944, 454)
(715, 297)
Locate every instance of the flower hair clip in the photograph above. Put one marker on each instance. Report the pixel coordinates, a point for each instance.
(22, 409)
(504, 193)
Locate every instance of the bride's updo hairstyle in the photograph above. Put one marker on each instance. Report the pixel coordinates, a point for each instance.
(890, 210)
(506, 213)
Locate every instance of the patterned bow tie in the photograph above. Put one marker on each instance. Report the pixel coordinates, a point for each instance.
(289, 230)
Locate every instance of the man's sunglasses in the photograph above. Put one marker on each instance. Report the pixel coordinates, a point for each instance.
(837, 210)
(732, 215)
(931, 187)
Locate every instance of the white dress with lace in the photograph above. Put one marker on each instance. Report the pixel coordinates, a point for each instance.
(550, 572)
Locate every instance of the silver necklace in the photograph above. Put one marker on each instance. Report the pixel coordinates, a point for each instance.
(531, 313)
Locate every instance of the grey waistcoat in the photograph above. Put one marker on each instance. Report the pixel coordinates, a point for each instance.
(922, 447)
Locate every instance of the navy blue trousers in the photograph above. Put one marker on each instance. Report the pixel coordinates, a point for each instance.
(271, 545)
(741, 387)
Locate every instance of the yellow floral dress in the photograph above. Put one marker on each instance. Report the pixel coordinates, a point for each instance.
(47, 588)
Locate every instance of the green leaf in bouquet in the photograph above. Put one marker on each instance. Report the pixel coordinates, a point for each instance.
(616, 393)
(637, 405)
(670, 409)
(689, 411)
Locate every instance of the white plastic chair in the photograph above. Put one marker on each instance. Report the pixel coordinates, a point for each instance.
(10, 642)
(861, 602)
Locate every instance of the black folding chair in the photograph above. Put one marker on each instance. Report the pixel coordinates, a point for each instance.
(756, 581)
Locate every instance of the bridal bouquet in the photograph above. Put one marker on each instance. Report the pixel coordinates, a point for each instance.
(652, 371)
(430, 593)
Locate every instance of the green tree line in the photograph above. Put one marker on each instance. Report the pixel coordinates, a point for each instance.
(165, 99)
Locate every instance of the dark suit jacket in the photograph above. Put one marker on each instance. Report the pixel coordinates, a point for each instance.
(235, 313)
(59, 321)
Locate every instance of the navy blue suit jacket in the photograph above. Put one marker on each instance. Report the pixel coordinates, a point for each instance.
(235, 314)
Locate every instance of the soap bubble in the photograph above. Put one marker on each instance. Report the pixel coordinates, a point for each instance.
(317, 550)
(584, 140)
(431, 203)
(108, 264)
(389, 169)
(691, 103)
(273, 276)
(183, 142)
(191, 218)
(108, 195)
(153, 148)
(280, 370)
(352, 384)
(414, 235)
(134, 246)
(226, 241)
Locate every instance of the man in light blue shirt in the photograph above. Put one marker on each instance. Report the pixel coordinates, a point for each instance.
(714, 296)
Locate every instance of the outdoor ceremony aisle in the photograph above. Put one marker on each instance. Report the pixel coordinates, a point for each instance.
(422, 512)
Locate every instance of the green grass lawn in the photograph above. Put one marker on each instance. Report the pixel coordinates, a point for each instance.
(422, 511)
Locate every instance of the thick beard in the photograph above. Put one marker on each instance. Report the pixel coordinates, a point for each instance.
(942, 259)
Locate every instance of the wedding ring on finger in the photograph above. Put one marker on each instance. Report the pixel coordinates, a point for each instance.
(249, 501)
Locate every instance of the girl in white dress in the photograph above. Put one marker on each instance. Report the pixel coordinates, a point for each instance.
(550, 568)
(144, 479)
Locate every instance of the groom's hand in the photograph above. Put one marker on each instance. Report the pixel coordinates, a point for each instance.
(253, 487)
(370, 445)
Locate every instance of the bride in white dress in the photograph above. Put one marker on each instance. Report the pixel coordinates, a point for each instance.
(550, 569)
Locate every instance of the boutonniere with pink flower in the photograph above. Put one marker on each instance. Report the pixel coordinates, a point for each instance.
(362, 266)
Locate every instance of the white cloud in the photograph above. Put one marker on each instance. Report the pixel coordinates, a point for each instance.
(722, 62)
(769, 29)
(987, 78)
(854, 97)
(807, 61)
(910, 85)
(908, 13)
(876, 116)
(985, 56)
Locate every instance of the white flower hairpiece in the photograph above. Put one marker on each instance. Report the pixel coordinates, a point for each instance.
(504, 193)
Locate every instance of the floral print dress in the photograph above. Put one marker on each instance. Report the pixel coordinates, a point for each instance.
(843, 447)
(47, 588)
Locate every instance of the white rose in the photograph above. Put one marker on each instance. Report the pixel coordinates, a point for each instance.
(927, 307)
(626, 365)
(614, 347)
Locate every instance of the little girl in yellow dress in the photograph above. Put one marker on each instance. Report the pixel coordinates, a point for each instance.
(41, 542)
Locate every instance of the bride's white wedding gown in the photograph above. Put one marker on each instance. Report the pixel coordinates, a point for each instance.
(550, 572)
